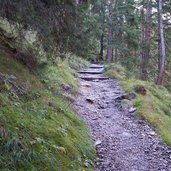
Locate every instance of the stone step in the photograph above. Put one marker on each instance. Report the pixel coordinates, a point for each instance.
(88, 78)
(96, 66)
(91, 72)
(94, 69)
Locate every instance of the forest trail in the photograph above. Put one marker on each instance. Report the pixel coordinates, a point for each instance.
(123, 142)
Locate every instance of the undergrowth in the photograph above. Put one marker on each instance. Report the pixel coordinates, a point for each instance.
(38, 128)
(154, 107)
(77, 63)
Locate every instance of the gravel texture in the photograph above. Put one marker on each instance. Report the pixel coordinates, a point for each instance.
(123, 142)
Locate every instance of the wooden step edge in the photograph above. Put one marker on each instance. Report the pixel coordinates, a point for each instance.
(87, 72)
(94, 78)
(96, 67)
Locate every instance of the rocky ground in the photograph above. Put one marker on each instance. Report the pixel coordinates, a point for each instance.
(123, 142)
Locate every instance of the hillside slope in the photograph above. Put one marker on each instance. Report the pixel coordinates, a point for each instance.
(38, 128)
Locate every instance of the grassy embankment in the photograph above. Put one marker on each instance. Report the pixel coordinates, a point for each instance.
(154, 107)
(39, 130)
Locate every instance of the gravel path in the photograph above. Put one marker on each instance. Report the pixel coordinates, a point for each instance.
(123, 142)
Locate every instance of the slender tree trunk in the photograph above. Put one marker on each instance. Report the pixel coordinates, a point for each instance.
(112, 54)
(162, 54)
(102, 25)
(109, 49)
(101, 46)
(146, 38)
(109, 33)
(116, 55)
(143, 70)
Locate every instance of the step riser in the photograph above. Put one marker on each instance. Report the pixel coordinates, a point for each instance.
(91, 79)
(97, 67)
(90, 72)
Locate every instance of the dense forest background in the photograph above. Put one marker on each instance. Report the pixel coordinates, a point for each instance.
(129, 32)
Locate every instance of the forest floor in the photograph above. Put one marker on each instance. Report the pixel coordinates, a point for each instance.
(123, 141)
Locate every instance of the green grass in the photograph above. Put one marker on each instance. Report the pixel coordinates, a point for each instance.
(154, 107)
(116, 71)
(38, 129)
(77, 63)
(57, 74)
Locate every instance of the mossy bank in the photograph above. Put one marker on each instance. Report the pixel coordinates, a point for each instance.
(38, 128)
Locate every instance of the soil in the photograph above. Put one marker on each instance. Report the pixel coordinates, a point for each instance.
(122, 140)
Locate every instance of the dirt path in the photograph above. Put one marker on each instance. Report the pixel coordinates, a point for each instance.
(123, 142)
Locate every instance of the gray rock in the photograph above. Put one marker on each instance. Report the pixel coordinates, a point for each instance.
(132, 110)
(90, 100)
(95, 118)
(127, 96)
(87, 85)
(152, 133)
(97, 143)
(66, 87)
(102, 105)
(126, 134)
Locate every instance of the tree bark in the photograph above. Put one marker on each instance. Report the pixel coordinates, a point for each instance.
(102, 25)
(116, 55)
(101, 46)
(109, 49)
(162, 55)
(143, 70)
(109, 33)
(145, 38)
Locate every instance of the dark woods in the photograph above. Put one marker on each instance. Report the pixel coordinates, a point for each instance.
(58, 23)
(133, 33)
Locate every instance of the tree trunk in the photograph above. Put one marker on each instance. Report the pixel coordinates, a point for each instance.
(109, 49)
(101, 46)
(112, 54)
(146, 38)
(109, 33)
(116, 55)
(162, 54)
(102, 25)
(143, 69)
